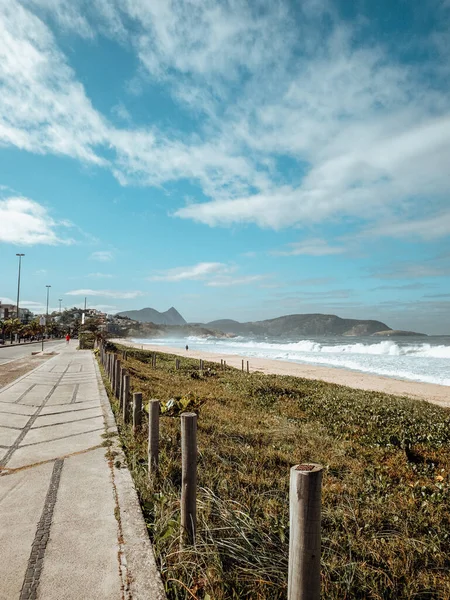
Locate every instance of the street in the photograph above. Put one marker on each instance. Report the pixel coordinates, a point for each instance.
(10, 353)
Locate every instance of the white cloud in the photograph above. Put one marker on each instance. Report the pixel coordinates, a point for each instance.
(26, 222)
(102, 255)
(105, 293)
(370, 133)
(203, 270)
(311, 247)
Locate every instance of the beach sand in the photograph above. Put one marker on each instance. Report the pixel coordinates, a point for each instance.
(436, 394)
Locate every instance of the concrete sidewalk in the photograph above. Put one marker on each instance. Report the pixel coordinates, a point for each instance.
(71, 527)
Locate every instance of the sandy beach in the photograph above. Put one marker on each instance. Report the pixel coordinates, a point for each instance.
(436, 394)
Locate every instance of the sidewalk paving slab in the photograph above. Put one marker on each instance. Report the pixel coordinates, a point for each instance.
(71, 523)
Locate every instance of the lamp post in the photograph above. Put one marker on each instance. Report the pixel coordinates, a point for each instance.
(18, 283)
(46, 314)
(59, 300)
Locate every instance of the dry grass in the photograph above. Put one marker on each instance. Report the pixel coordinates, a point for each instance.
(386, 525)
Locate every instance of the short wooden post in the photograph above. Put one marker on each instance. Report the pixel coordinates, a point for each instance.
(117, 377)
(137, 411)
(221, 363)
(201, 365)
(122, 375)
(188, 478)
(153, 435)
(113, 373)
(304, 535)
(224, 365)
(126, 398)
(154, 361)
(242, 364)
(248, 368)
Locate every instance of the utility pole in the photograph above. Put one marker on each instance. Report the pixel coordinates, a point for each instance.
(18, 284)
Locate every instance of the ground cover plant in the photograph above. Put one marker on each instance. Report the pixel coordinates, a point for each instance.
(385, 524)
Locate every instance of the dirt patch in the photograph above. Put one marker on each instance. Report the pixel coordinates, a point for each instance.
(15, 369)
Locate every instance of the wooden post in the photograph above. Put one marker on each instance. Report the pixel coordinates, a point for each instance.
(137, 411)
(242, 364)
(188, 478)
(117, 377)
(201, 365)
(153, 436)
(224, 365)
(126, 398)
(221, 363)
(248, 368)
(113, 373)
(304, 536)
(154, 360)
(122, 374)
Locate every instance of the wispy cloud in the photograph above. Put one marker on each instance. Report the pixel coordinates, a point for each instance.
(311, 247)
(26, 222)
(200, 271)
(370, 138)
(105, 293)
(102, 256)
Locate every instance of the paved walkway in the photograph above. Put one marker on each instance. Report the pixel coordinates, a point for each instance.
(71, 527)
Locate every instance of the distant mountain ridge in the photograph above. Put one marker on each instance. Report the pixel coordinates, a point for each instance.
(301, 325)
(150, 315)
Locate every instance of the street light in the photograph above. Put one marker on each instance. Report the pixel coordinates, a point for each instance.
(59, 300)
(46, 314)
(18, 283)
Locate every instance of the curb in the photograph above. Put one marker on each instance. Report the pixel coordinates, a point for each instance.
(143, 579)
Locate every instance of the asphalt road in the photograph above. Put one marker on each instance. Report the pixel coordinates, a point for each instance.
(10, 353)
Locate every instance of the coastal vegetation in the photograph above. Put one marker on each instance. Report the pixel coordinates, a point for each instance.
(385, 522)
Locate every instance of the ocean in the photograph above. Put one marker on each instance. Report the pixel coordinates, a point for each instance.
(409, 358)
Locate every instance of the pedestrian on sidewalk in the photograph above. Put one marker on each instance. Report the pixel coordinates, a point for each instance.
(67, 338)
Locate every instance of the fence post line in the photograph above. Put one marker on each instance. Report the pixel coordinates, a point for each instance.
(188, 478)
(248, 368)
(126, 398)
(117, 377)
(137, 411)
(304, 536)
(153, 436)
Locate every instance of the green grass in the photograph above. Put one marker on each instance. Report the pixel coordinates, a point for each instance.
(385, 522)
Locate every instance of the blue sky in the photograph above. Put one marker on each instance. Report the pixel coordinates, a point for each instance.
(234, 160)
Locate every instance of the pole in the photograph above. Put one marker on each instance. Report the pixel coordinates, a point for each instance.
(153, 436)
(46, 312)
(18, 283)
(304, 536)
(60, 300)
(188, 477)
(125, 398)
(137, 411)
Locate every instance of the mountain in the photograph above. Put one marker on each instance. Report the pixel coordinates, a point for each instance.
(150, 315)
(300, 325)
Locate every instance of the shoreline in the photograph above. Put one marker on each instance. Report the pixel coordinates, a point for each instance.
(430, 392)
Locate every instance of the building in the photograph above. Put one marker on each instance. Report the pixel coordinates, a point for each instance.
(9, 311)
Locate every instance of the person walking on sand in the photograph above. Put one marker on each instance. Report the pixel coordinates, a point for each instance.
(187, 347)
(67, 338)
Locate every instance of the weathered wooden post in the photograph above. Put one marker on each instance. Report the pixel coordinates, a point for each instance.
(113, 373)
(177, 364)
(122, 373)
(221, 363)
(224, 365)
(248, 368)
(201, 365)
(153, 435)
(242, 365)
(304, 536)
(154, 360)
(126, 398)
(137, 411)
(188, 478)
(117, 377)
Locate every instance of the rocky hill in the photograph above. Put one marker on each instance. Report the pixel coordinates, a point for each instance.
(150, 315)
(300, 325)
